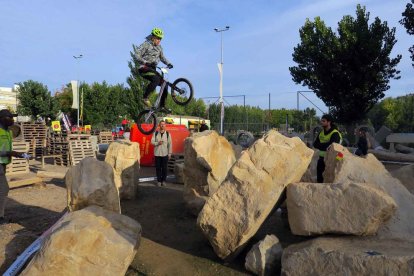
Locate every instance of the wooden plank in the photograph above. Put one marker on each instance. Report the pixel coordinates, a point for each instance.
(24, 182)
(49, 174)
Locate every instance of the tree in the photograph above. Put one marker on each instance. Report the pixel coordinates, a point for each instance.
(36, 100)
(408, 23)
(349, 70)
(137, 84)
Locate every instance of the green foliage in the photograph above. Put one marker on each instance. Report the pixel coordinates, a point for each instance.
(408, 22)
(256, 119)
(350, 70)
(395, 113)
(35, 100)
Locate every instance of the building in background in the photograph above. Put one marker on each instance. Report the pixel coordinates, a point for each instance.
(8, 98)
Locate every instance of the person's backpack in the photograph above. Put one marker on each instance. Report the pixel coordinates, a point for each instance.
(156, 134)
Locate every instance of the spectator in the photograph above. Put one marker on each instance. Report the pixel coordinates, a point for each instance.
(363, 144)
(162, 151)
(203, 126)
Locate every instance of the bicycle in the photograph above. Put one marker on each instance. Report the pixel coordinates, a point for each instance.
(181, 92)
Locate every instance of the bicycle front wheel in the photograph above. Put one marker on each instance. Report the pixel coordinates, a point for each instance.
(182, 91)
(146, 122)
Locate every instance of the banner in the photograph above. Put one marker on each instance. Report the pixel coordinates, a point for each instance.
(88, 128)
(56, 126)
(75, 93)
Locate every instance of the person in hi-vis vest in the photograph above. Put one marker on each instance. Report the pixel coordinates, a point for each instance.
(6, 153)
(329, 134)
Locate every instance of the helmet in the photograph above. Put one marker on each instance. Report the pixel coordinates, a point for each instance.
(157, 32)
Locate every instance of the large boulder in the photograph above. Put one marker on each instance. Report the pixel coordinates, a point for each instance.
(349, 256)
(207, 160)
(344, 167)
(124, 156)
(251, 190)
(91, 182)
(319, 208)
(265, 256)
(179, 172)
(310, 174)
(406, 176)
(92, 241)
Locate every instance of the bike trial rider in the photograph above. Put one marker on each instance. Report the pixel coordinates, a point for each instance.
(148, 55)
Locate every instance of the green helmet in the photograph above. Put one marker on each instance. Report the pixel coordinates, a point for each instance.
(157, 32)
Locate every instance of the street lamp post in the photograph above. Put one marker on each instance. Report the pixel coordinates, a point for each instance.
(77, 76)
(220, 65)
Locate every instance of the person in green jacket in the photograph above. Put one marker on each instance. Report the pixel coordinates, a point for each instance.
(329, 134)
(6, 153)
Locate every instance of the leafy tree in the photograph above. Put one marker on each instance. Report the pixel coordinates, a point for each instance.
(36, 100)
(408, 23)
(133, 95)
(349, 70)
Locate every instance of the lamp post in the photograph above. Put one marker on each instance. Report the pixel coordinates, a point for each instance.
(77, 76)
(220, 66)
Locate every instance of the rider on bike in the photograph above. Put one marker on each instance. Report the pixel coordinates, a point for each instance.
(148, 55)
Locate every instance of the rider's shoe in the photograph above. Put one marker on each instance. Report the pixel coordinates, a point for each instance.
(146, 102)
(165, 109)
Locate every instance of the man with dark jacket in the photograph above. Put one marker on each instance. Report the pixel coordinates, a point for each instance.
(326, 137)
(148, 54)
(203, 126)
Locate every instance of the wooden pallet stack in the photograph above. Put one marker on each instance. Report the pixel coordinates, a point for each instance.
(175, 158)
(72, 147)
(105, 137)
(36, 135)
(80, 149)
(18, 165)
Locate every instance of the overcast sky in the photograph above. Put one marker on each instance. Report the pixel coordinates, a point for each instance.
(39, 38)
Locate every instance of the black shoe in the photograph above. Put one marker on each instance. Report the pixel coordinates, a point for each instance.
(165, 110)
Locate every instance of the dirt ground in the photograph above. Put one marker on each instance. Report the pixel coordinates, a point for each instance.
(171, 243)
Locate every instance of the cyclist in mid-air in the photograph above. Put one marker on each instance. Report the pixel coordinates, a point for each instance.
(148, 55)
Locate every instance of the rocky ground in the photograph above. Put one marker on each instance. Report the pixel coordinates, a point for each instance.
(171, 243)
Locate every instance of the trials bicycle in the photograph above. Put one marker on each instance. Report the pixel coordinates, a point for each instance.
(181, 91)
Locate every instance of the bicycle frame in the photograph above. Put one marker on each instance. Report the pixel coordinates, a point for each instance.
(160, 94)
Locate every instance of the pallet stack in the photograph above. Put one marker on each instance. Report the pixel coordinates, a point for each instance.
(105, 137)
(71, 147)
(18, 165)
(36, 135)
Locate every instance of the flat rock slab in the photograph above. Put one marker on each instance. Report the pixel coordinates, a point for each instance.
(91, 182)
(351, 208)
(344, 167)
(349, 256)
(251, 190)
(406, 176)
(91, 241)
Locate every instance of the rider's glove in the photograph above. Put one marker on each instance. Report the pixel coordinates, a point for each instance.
(170, 66)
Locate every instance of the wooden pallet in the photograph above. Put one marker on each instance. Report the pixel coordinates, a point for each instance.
(175, 158)
(79, 149)
(18, 165)
(35, 134)
(105, 137)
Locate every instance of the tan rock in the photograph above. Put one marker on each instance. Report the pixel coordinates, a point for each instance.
(237, 150)
(253, 186)
(349, 256)
(406, 176)
(310, 174)
(92, 241)
(265, 256)
(124, 156)
(319, 208)
(354, 169)
(207, 160)
(91, 182)
(179, 172)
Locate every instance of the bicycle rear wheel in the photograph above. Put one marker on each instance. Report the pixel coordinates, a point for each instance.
(146, 122)
(182, 91)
